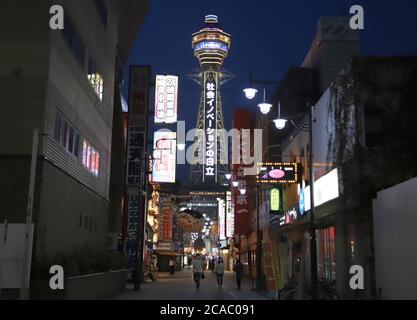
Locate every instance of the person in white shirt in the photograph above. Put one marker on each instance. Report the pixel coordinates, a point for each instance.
(219, 270)
(197, 269)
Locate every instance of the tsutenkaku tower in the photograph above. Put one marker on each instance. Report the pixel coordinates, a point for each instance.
(211, 46)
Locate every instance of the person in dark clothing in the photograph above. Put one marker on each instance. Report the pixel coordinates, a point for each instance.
(238, 269)
(171, 266)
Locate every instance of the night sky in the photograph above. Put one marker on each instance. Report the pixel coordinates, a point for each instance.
(268, 36)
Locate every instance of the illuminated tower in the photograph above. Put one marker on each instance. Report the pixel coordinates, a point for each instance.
(211, 45)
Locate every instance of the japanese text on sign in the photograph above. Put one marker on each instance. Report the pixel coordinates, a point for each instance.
(210, 127)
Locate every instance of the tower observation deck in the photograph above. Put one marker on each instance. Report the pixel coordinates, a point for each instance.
(211, 46)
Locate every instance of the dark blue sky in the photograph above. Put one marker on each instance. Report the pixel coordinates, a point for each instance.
(267, 35)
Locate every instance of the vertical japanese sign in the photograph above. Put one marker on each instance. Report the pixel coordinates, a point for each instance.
(222, 220)
(136, 148)
(164, 162)
(166, 99)
(241, 204)
(210, 116)
(166, 224)
(242, 121)
(230, 216)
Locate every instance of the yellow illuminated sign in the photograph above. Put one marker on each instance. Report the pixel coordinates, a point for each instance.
(274, 200)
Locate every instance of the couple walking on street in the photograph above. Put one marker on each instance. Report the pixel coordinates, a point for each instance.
(198, 272)
(219, 270)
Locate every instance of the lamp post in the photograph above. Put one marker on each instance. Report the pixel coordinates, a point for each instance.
(138, 271)
(280, 124)
(258, 243)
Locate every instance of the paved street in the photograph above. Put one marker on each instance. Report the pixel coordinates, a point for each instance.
(181, 287)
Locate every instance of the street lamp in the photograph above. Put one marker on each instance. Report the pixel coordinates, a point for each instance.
(250, 93)
(242, 191)
(313, 247)
(181, 146)
(228, 176)
(264, 106)
(280, 123)
(235, 184)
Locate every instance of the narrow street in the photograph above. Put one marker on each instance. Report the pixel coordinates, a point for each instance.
(181, 287)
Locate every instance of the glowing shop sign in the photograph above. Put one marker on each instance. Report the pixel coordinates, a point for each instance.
(278, 172)
(274, 200)
(230, 215)
(222, 220)
(326, 189)
(166, 99)
(164, 156)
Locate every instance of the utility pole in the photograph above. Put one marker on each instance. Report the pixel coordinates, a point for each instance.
(258, 243)
(24, 292)
(313, 247)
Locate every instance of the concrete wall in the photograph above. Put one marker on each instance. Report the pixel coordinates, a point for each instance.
(23, 71)
(63, 201)
(395, 237)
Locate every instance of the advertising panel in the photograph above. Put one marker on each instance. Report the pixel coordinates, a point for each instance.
(326, 189)
(230, 216)
(222, 219)
(278, 173)
(136, 147)
(166, 99)
(164, 161)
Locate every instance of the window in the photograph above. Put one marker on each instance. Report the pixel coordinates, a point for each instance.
(66, 135)
(102, 11)
(326, 263)
(73, 39)
(95, 79)
(374, 126)
(91, 158)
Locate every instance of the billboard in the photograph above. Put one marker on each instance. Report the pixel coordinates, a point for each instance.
(222, 220)
(285, 172)
(135, 169)
(210, 118)
(326, 189)
(164, 156)
(230, 216)
(166, 99)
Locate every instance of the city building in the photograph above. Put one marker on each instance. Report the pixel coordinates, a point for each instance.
(361, 130)
(332, 49)
(65, 83)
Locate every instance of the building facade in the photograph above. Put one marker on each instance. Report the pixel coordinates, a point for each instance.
(61, 82)
(352, 145)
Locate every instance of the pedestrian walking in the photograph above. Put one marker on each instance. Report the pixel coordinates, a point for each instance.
(171, 266)
(238, 269)
(219, 270)
(197, 269)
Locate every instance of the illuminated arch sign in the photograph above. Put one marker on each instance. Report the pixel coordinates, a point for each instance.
(277, 172)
